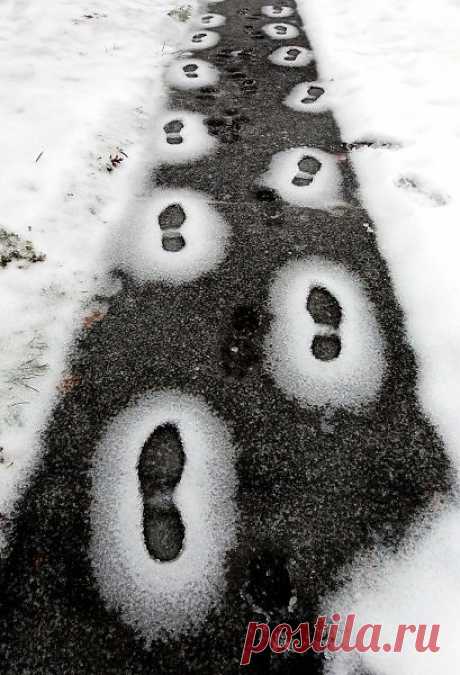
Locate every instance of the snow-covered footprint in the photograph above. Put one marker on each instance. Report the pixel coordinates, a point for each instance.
(305, 177)
(277, 11)
(308, 97)
(281, 31)
(160, 468)
(204, 39)
(191, 74)
(163, 514)
(182, 137)
(324, 347)
(173, 236)
(211, 20)
(294, 57)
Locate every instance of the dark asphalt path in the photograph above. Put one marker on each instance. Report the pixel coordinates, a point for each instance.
(312, 486)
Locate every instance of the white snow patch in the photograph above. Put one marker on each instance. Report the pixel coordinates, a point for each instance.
(323, 192)
(354, 379)
(407, 589)
(291, 56)
(277, 11)
(196, 142)
(281, 31)
(191, 74)
(154, 596)
(138, 247)
(80, 88)
(301, 100)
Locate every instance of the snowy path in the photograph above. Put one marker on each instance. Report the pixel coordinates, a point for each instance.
(265, 421)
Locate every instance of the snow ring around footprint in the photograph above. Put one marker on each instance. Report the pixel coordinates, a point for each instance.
(201, 39)
(308, 97)
(277, 12)
(205, 233)
(191, 74)
(195, 140)
(353, 379)
(210, 20)
(324, 188)
(281, 31)
(160, 599)
(291, 56)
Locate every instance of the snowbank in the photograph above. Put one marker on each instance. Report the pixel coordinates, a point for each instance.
(392, 68)
(80, 87)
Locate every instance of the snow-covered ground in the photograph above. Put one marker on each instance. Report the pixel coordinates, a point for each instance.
(393, 68)
(81, 83)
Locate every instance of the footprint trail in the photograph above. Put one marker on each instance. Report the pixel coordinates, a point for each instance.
(245, 419)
